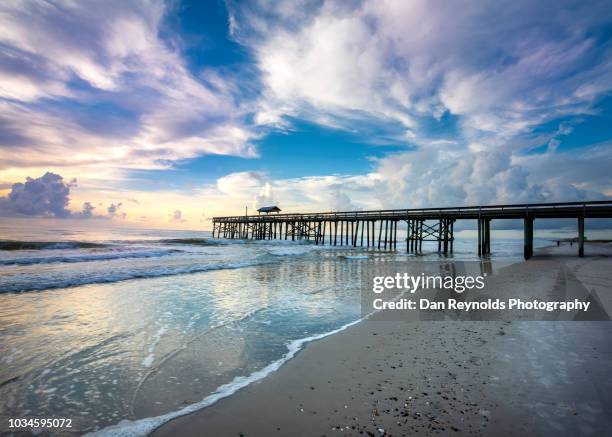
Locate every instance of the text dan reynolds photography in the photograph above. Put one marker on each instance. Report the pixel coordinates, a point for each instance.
(260, 218)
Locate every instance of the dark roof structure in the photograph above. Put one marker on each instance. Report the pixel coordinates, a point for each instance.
(269, 209)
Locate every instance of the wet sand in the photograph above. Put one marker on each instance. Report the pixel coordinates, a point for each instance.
(428, 378)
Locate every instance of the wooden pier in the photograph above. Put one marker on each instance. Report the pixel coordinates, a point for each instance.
(379, 229)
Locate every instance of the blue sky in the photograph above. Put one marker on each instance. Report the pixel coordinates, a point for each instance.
(204, 107)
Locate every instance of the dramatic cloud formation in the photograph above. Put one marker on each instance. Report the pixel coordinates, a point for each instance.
(297, 194)
(469, 102)
(46, 196)
(469, 83)
(502, 67)
(99, 87)
(50, 196)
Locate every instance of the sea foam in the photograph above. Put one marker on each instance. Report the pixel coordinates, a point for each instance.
(35, 284)
(86, 257)
(142, 427)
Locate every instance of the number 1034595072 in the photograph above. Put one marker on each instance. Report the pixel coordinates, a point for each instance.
(38, 422)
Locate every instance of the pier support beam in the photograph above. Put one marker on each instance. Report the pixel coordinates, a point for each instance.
(373, 233)
(528, 231)
(446, 235)
(487, 235)
(335, 232)
(581, 236)
(421, 223)
(440, 234)
(346, 241)
(362, 225)
(323, 234)
(484, 236)
(386, 230)
(479, 237)
(452, 232)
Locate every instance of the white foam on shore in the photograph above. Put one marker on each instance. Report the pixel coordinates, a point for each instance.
(148, 361)
(142, 427)
(160, 332)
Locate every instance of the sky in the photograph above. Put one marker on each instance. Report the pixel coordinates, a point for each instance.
(166, 113)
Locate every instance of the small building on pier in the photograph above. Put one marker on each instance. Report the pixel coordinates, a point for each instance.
(269, 209)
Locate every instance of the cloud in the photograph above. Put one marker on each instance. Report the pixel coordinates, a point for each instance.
(50, 196)
(113, 208)
(252, 185)
(501, 68)
(443, 175)
(97, 84)
(239, 183)
(469, 90)
(312, 193)
(339, 201)
(113, 211)
(553, 145)
(470, 85)
(177, 217)
(265, 196)
(46, 196)
(87, 211)
(569, 175)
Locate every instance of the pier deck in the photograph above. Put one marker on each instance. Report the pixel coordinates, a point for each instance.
(379, 228)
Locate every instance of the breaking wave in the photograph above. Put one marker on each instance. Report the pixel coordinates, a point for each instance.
(86, 257)
(35, 283)
(48, 245)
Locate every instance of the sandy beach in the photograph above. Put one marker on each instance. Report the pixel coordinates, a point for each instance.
(426, 378)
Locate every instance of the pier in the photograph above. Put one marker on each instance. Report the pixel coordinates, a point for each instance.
(379, 229)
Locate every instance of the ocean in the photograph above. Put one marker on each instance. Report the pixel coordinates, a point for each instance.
(112, 325)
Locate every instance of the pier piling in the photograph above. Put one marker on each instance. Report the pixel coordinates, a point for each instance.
(580, 236)
(528, 232)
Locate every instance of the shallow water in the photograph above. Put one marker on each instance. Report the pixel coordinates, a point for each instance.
(129, 324)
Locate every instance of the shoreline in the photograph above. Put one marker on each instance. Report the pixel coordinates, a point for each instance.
(157, 425)
(397, 393)
(148, 425)
(300, 396)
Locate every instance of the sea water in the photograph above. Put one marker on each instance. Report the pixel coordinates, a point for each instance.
(117, 325)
